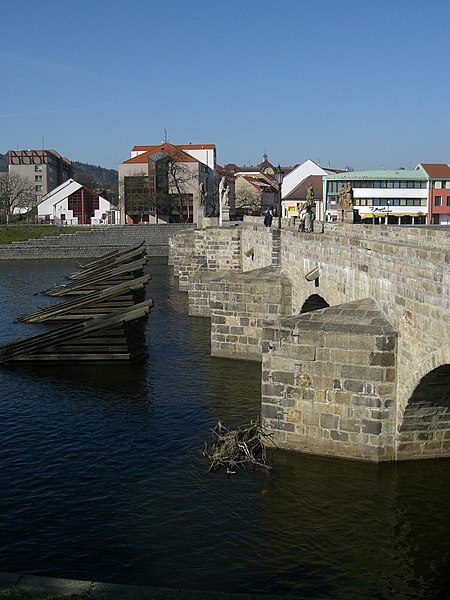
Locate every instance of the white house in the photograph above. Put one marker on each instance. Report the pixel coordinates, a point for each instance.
(74, 204)
(295, 183)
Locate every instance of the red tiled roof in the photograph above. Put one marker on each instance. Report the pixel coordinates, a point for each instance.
(182, 147)
(172, 151)
(437, 170)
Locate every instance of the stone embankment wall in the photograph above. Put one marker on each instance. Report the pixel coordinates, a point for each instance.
(403, 270)
(95, 242)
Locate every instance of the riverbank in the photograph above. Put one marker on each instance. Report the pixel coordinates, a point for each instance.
(20, 586)
(21, 233)
(90, 242)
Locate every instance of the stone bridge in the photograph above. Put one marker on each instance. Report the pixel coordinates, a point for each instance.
(351, 325)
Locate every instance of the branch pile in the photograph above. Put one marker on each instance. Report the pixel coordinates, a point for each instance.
(233, 449)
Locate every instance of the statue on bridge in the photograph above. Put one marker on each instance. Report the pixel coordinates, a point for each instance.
(224, 201)
(309, 202)
(346, 197)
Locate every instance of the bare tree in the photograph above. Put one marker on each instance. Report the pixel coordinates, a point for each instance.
(16, 194)
(181, 180)
(248, 200)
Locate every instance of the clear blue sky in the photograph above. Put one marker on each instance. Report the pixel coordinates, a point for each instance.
(363, 83)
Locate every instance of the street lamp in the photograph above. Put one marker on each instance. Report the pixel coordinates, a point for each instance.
(279, 179)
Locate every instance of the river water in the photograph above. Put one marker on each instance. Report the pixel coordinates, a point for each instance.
(102, 476)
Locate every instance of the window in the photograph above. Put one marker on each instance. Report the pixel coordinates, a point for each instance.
(448, 200)
(438, 200)
(438, 185)
(38, 177)
(38, 188)
(38, 168)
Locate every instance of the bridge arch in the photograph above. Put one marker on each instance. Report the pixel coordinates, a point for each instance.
(313, 302)
(424, 430)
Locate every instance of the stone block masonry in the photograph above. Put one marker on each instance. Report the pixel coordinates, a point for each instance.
(240, 303)
(95, 242)
(373, 411)
(328, 382)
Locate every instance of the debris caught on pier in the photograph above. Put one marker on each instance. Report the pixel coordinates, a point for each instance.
(233, 449)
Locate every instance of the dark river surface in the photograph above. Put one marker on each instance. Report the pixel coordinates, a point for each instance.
(102, 476)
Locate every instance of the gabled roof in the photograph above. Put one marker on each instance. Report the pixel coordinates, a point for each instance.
(64, 191)
(436, 170)
(174, 152)
(260, 181)
(299, 191)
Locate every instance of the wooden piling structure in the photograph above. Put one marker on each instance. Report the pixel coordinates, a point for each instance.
(104, 312)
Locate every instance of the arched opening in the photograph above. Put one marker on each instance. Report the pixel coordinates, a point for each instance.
(428, 409)
(314, 302)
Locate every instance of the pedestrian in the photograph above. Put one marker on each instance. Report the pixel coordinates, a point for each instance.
(307, 222)
(268, 218)
(301, 227)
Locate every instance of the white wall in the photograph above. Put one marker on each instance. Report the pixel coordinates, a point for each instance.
(299, 174)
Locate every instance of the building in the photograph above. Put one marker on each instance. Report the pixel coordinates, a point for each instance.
(253, 189)
(74, 204)
(46, 169)
(254, 194)
(438, 192)
(297, 181)
(380, 196)
(167, 182)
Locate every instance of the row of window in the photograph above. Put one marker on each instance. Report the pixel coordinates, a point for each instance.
(390, 202)
(438, 200)
(333, 186)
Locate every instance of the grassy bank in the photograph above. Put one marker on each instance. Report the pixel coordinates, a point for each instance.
(17, 233)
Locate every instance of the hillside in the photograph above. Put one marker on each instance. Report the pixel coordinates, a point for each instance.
(96, 173)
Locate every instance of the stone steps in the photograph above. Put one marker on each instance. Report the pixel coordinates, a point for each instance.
(95, 242)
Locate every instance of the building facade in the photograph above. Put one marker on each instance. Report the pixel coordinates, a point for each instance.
(380, 196)
(254, 194)
(167, 183)
(295, 185)
(45, 169)
(74, 204)
(439, 192)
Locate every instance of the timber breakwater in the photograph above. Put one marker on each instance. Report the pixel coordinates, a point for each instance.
(102, 310)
